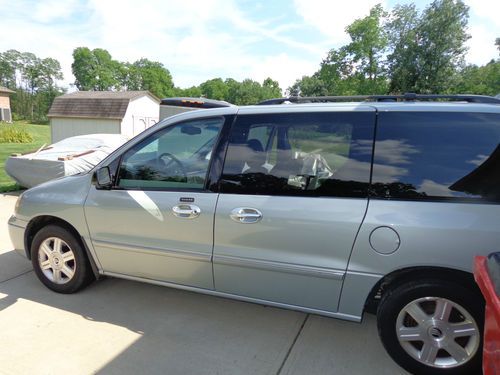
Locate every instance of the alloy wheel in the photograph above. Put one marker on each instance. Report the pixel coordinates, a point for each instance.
(437, 332)
(56, 260)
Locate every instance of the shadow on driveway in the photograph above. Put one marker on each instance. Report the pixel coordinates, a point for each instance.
(165, 330)
(123, 327)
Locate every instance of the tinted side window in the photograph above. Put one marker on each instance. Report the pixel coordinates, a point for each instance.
(437, 156)
(302, 154)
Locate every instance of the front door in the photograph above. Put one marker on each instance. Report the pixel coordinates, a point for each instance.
(293, 196)
(157, 220)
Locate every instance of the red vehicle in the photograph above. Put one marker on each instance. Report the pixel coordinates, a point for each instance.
(487, 275)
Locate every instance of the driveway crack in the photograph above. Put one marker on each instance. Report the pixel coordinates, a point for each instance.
(15, 277)
(293, 344)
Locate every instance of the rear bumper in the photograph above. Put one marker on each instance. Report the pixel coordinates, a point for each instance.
(17, 228)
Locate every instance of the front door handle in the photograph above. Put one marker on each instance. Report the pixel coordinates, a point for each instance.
(186, 211)
(246, 215)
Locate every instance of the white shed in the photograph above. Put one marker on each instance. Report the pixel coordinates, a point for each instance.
(90, 112)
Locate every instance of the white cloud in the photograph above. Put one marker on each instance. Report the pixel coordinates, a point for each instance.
(435, 189)
(484, 29)
(51, 10)
(480, 159)
(332, 17)
(282, 68)
(187, 40)
(30, 34)
(482, 45)
(198, 40)
(486, 9)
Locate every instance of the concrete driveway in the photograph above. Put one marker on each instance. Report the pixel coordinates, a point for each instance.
(123, 327)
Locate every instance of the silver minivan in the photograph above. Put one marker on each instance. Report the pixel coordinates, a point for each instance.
(327, 207)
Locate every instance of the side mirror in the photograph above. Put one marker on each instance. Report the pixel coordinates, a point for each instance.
(103, 178)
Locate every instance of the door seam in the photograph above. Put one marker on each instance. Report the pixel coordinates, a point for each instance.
(213, 241)
(375, 125)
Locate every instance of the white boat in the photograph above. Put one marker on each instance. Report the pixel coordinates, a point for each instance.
(65, 158)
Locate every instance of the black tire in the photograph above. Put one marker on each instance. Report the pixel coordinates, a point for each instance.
(55, 277)
(408, 296)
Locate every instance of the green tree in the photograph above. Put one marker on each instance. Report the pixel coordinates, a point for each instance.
(400, 51)
(50, 73)
(356, 68)
(248, 92)
(106, 70)
(232, 88)
(9, 64)
(48, 90)
(497, 43)
(442, 35)
(34, 81)
(31, 71)
(427, 49)
(403, 43)
(149, 75)
(482, 80)
(336, 72)
(83, 68)
(251, 92)
(308, 86)
(271, 89)
(95, 70)
(192, 92)
(215, 89)
(39, 91)
(366, 49)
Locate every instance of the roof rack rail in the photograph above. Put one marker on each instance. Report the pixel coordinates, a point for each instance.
(195, 102)
(408, 97)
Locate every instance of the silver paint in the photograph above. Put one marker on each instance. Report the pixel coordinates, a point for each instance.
(308, 254)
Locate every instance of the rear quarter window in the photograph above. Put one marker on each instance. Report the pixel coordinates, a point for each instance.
(437, 155)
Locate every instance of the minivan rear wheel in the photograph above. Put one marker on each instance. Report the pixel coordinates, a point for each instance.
(432, 327)
(59, 260)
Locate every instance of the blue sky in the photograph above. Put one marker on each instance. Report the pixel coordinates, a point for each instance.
(203, 39)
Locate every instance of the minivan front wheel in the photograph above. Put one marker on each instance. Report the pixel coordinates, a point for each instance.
(432, 327)
(59, 260)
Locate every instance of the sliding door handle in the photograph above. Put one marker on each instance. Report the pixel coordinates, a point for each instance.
(246, 215)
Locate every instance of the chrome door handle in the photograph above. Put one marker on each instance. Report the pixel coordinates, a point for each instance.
(246, 215)
(186, 211)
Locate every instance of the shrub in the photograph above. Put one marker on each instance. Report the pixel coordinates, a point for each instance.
(12, 135)
(16, 117)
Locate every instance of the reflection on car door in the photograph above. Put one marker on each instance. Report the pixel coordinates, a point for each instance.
(290, 207)
(157, 221)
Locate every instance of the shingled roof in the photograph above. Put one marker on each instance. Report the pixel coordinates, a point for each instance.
(5, 89)
(95, 104)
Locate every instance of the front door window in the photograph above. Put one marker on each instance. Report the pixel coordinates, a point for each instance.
(176, 157)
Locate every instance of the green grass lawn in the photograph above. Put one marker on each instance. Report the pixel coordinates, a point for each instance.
(41, 135)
